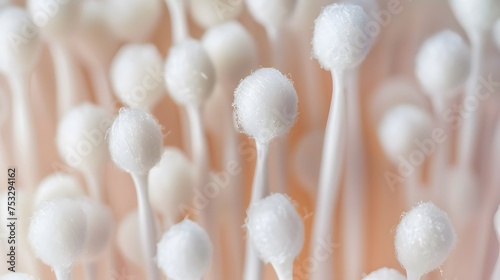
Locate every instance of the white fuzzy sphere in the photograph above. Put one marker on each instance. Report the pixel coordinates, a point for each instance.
(133, 20)
(208, 13)
(137, 75)
(57, 233)
(400, 127)
(476, 16)
(385, 274)
(232, 50)
(424, 238)
(443, 63)
(271, 14)
(339, 40)
(20, 44)
(58, 185)
(99, 227)
(275, 228)
(189, 73)
(171, 181)
(81, 136)
(185, 251)
(135, 141)
(16, 276)
(265, 104)
(56, 19)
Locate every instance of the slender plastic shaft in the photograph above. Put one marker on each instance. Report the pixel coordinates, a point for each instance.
(410, 275)
(102, 87)
(260, 187)
(178, 20)
(147, 230)
(62, 273)
(284, 270)
(330, 174)
(93, 182)
(442, 153)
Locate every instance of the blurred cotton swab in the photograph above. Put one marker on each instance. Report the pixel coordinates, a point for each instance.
(265, 106)
(277, 232)
(210, 13)
(135, 145)
(178, 21)
(56, 186)
(385, 274)
(338, 46)
(496, 223)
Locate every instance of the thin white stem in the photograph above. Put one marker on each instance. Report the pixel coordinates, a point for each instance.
(410, 275)
(93, 182)
(260, 187)
(24, 135)
(496, 272)
(178, 20)
(284, 270)
(330, 175)
(102, 87)
(353, 194)
(90, 270)
(147, 226)
(62, 273)
(441, 156)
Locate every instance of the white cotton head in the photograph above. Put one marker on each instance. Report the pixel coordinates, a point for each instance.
(385, 274)
(57, 233)
(476, 16)
(81, 137)
(171, 181)
(189, 73)
(99, 228)
(16, 276)
(275, 229)
(136, 75)
(424, 239)
(271, 14)
(265, 104)
(18, 54)
(56, 19)
(135, 141)
(133, 20)
(400, 127)
(443, 63)
(339, 41)
(56, 186)
(208, 13)
(185, 251)
(232, 50)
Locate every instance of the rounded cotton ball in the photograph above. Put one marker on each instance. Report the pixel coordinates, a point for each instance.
(99, 228)
(424, 239)
(81, 137)
(185, 251)
(56, 19)
(476, 16)
(339, 41)
(136, 75)
(189, 73)
(135, 141)
(171, 181)
(56, 186)
(208, 13)
(265, 104)
(232, 50)
(16, 276)
(400, 127)
(385, 274)
(133, 20)
(57, 233)
(271, 14)
(275, 228)
(443, 63)
(20, 44)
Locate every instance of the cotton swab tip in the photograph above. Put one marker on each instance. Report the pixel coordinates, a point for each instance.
(56, 186)
(385, 274)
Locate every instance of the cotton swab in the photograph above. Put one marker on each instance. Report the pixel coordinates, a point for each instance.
(338, 46)
(57, 186)
(424, 239)
(135, 145)
(185, 251)
(277, 232)
(178, 21)
(171, 184)
(17, 62)
(496, 223)
(384, 274)
(57, 235)
(16, 276)
(265, 106)
(81, 143)
(211, 13)
(136, 75)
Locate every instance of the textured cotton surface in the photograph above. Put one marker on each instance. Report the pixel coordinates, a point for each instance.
(340, 40)
(424, 238)
(385, 274)
(271, 14)
(57, 233)
(58, 185)
(185, 251)
(265, 104)
(135, 141)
